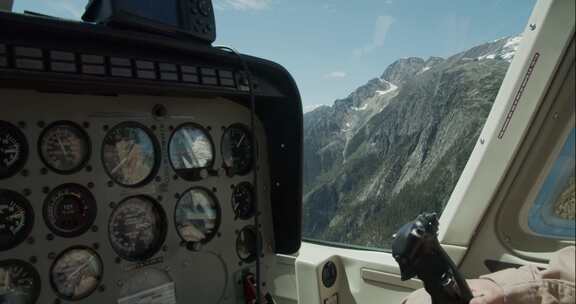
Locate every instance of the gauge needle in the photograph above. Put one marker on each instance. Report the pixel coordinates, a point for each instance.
(240, 141)
(81, 267)
(62, 146)
(13, 150)
(124, 160)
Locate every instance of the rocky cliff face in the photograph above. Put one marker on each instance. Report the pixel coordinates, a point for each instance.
(396, 146)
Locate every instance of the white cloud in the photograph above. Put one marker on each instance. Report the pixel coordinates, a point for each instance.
(388, 2)
(336, 74)
(242, 5)
(381, 29)
(312, 107)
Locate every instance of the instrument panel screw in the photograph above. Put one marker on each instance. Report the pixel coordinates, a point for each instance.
(57, 301)
(88, 168)
(41, 124)
(158, 179)
(94, 228)
(165, 248)
(105, 128)
(214, 189)
(86, 125)
(33, 259)
(43, 171)
(110, 184)
(31, 240)
(45, 190)
(51, 255)
(27, 192)
(50, 237)
(209, 128)
(96, 246)
(112, 205)
(90, 185)
(119, 283)
(102, 288)
(118, 260)
(25, 173)
(556, 115)
(22, 124)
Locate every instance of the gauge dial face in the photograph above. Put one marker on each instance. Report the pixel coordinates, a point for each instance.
(64, 147)
(19, 282)
(137, 228)
(76, 273)
(246, 244)
(16, 219)
(130, 154)
(243, 201)
(70, 210)
(237, 150)
(13, 149)
(197, 216)
(190, 149)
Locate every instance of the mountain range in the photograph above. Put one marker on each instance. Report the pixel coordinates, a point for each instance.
(396, 146)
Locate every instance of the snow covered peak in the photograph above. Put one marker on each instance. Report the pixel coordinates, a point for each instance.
(506, 51)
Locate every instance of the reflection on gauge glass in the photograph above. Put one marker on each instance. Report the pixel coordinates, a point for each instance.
(246, 244)
(64, 147)
(237, 150)
(130, 154)
(16, 219)
(19, 282)
(70, 210)
(197, 216)
(76, 273)
(243, 201)
(137, 228)
(190, 148)
(13, 149)
(148, 286)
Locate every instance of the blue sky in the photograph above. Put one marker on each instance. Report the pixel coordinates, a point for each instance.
(333, 46)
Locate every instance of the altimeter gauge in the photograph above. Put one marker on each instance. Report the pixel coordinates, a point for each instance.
(76, 273)
(16, 219)
(130, 154)
(137, 228)
(13, 149)
(64, 147)
(190, 150)
(197, 216)
(70, 210)
(19, 282)
(237, 150)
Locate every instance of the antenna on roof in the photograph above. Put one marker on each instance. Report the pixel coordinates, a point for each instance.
(192, 18)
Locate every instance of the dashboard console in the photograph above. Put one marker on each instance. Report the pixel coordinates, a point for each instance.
(141, 169)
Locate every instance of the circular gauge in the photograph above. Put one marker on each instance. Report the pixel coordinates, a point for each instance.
(243, 201)
(19, 282)
(130, 154)
(197, 216)
(76, 273)
(70, 210)
(64, 147)
(16, 219)
(237, 150)
(137, 228)
(190, 150)
(13, 149)
(247, 244)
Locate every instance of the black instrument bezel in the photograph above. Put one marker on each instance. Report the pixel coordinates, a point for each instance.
(21, 161)
(30, 218)
(192, 174)
(210, 236)
(84, 136)
(92, 211)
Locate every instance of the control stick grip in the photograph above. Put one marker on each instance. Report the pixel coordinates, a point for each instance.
(418, 252)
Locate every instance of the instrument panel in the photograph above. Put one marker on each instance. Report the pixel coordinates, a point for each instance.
(103, 200)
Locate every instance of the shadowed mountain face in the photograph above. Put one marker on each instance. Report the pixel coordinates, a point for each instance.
(396, 146)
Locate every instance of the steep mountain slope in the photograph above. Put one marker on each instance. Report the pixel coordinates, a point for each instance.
(397, 145)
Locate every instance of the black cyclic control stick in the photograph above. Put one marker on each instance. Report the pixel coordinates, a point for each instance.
(418, 252)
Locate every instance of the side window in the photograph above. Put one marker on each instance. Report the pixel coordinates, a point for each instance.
(396, 146)
(553, 213)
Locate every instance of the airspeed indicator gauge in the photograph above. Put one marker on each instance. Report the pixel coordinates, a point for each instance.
(13, 149)
(64, 147)
(76, 273)
(190, 151)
